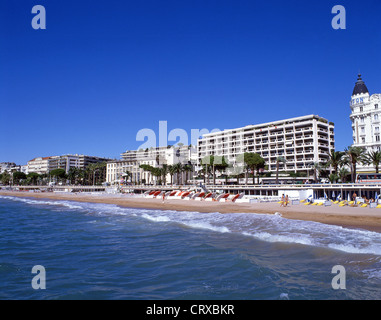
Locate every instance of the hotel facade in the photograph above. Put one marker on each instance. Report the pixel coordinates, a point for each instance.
(365, 117)
(302, 141)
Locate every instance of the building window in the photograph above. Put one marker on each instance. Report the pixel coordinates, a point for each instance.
(362, 119)
(377, 129)
(362, 129)
(361, 109)
(377, 138)
(363, 139)
(376, 117)
(376, 106)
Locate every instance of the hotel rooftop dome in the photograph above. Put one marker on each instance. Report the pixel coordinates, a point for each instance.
(360, 87)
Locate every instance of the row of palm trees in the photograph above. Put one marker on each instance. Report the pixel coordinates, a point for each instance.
(92, 174)
(351, 157)
(178, 172)
(340, 161)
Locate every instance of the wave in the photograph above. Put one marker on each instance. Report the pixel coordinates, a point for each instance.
(263, 227)
(68, 204)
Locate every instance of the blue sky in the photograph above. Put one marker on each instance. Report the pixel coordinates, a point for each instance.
(103, 70)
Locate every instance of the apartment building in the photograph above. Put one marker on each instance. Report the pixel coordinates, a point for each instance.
(43, 165)
(73, 161)
(39, 165)
(302, 141)
(7, 166)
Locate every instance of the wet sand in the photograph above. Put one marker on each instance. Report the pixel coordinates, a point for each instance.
(353, 217)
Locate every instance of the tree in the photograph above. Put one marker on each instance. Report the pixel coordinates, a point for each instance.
(58, 174)
(33, 177)
(5, 177)
(316, 167)
(177, 168)
(343, 173)
(374, 158)
(18, 176)
(156, 172)
(255, 162)
(333, 177)
(74, 175)
(164, 172)
(354, 155)
(171, 171)
(278, 161)
(187, 168)
(335, 159)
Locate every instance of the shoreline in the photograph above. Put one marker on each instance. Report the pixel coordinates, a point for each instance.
(348, 217)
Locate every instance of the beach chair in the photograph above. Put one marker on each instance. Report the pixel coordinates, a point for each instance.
(343, 204)
(335, 202)
(314, 204)
(307, 203)
(320, 203)
(364, 205)
(302, 201)
(378, 206)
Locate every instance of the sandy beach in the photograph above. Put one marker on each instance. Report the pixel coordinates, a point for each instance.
(353, 217)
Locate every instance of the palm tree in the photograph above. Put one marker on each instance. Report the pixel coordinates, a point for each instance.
(335, 159)
(278, 161)
(164, 172)
(373, 157)
(354, 156)
(187, 168)
(177, 169)
(343, 173)
(172, 171)
(316, 167)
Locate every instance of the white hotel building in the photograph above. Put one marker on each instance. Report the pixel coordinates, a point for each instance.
(302, 141)
(365, 117)
(155, 157)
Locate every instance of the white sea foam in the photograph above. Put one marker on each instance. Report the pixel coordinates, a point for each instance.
(206, 226)
(155, 218)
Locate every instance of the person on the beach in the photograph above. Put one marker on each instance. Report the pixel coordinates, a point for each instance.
(282, 201)
(163, 196)
(354, 196)
(286, 200)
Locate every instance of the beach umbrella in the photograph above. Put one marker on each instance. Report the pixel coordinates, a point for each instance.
(333, 194)
(338, 197)
(325, 196)
(349, 197)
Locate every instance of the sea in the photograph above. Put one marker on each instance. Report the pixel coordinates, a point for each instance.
(103, 251)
